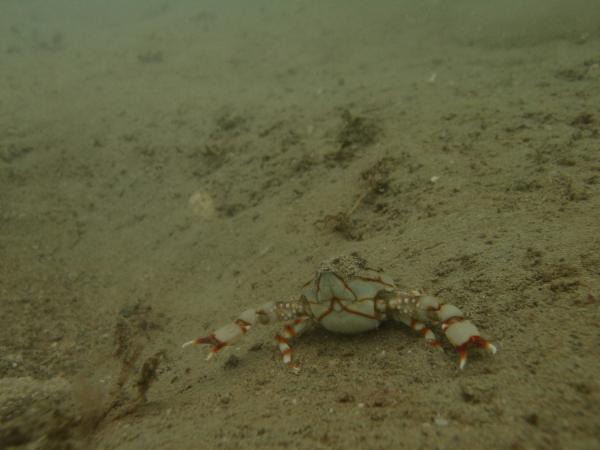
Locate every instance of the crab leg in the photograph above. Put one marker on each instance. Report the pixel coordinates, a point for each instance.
(264, 314)
(422, 329)
(289, 331)
(419, 307)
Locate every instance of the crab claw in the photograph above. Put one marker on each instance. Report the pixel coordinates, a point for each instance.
(462, 334)
(477, 341)
(224, 336)
(211, 340)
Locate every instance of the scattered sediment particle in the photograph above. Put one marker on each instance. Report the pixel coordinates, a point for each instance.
(225, 398)
(565, 285)
(346, 398)
(526, 185)
(256, 347)
(583, 120)
(377, 417)
(202, 204)
(151, 57)
(49, 42)
(569, 74)
(440, 422)
(230, 124)
(477, 394)
(589, 299)
(552, 272)
(232, 362)
(532, 419)
(567, 188)
(11, 153)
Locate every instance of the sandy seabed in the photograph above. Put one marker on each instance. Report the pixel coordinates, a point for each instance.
(165, 166)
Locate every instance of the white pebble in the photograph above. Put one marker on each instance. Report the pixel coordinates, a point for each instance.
(440, 422)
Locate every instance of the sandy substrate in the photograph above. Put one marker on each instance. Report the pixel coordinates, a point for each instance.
(164, 166)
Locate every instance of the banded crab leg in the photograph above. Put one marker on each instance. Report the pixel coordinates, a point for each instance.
(264, 314)
(416, 308)
(420, 328)
(289, 331)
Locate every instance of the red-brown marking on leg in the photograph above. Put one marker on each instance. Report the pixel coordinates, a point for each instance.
(462, 355)
(435, 343)
(211, 339)
(450, 320)
(280, 339)
(218, 346)
(244, 326)
(423, 331)
(473, 341)
(478, 341)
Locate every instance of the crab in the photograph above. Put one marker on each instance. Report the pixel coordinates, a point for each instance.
(346, 296)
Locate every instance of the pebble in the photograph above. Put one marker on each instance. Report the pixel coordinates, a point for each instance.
(440, 422)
